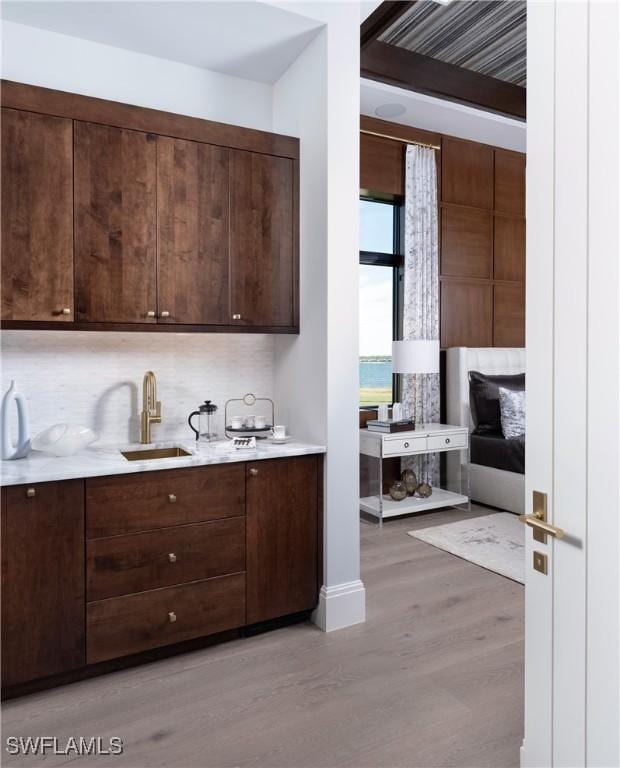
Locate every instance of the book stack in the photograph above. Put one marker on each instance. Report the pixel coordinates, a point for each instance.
(389, 425)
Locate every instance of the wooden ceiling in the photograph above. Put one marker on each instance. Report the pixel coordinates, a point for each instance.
(470, 51)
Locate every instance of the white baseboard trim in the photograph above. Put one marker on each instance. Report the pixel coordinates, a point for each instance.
(340, 606)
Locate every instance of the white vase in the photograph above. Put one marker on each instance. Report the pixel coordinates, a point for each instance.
(22, 449)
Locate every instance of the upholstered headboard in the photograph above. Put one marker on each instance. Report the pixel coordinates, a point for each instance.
(460, 361)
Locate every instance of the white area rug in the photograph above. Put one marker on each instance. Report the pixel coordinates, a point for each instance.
(495, 542)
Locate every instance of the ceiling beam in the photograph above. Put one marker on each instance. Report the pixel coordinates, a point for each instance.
(415, 72)
(381, 19)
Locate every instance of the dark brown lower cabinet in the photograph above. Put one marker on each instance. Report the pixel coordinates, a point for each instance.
(43, 600)
(183, 554)
(281, 537)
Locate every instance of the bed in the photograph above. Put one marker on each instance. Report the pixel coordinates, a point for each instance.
(496, 465)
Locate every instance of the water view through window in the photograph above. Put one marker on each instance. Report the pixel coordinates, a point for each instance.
(376, 330)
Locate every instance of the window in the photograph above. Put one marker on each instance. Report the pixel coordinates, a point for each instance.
(380, 278)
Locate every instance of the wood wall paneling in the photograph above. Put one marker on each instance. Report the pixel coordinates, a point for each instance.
(115, 224)
(467, 173)
(509, 248)
(510, 182)
(509, 315)
(382, 164)
(466, 313)
(192, 222)
(466, 242)
(37, 217)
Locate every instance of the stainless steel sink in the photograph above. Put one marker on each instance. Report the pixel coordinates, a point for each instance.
(148, 454)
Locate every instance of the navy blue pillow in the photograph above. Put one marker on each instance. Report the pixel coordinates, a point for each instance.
(484, 399)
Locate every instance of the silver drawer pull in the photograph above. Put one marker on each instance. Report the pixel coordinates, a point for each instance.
(172, 557)
(172, 617)
(31, 493)
(172, 498)
(447, 441)
(406, 445)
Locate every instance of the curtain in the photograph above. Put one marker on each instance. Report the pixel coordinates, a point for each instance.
(420, 393)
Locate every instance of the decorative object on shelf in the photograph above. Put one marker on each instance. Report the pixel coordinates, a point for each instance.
(279, 432)
(206, 422)
(63, 439)
(383, 413)
(425, 490)
(240, 423)
(408, 476)
(22, 449)
(415, 357)
(398, 490)
(397, 412)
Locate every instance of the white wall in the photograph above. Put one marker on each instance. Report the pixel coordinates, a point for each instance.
(95, 378)
(316, 380)
(52, 60)
(433, 114)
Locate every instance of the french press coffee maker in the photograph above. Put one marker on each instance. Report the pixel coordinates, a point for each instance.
(206, 422)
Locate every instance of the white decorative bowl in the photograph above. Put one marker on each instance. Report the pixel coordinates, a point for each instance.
(63, 439)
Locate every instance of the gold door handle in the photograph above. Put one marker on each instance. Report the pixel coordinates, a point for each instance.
(172, 498)
(253, 472)
(236, 316)
(65, 311)
(31, 493)
(172, 557)
(172, 617)
(165, 313)
(150, 313)
(542, 526)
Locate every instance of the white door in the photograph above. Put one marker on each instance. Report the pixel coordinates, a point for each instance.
(572, 655)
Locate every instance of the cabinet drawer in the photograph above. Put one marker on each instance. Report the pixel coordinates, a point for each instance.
(120, 565)
(148, 500)
(446, 442)
(400, 446)
(121, 626)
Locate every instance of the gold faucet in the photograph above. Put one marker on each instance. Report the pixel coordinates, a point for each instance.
(151, 407)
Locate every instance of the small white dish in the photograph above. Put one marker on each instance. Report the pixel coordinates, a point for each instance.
(63, 439)
(280, 440)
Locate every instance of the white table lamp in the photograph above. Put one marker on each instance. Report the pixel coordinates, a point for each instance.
(414, 357)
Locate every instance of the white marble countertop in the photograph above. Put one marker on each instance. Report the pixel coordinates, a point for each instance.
(107, 460)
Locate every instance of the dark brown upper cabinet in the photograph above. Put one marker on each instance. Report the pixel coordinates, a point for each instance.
(467, 173)
(115, 224)
(43, 601)
(192, 227)
(118, 217)
(37, 217)
(262, 240)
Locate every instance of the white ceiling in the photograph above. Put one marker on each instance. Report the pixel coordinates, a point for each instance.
(433, 114)
(254, 40)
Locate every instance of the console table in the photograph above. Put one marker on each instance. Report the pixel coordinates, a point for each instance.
(453, 490)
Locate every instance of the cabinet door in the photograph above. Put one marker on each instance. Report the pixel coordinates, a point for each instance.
(192, 223)
(281, 537)
(43, 608)
(262, 239)
(115, 224)
(37, 217)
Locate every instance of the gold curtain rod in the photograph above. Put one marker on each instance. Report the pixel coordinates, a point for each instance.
(400, 139)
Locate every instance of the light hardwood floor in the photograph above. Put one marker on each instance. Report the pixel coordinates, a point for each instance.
(434, 678)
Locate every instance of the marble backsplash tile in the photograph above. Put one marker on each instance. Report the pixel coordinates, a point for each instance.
(95, 378)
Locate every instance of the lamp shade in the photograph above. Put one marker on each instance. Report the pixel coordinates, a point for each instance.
(419, 356)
